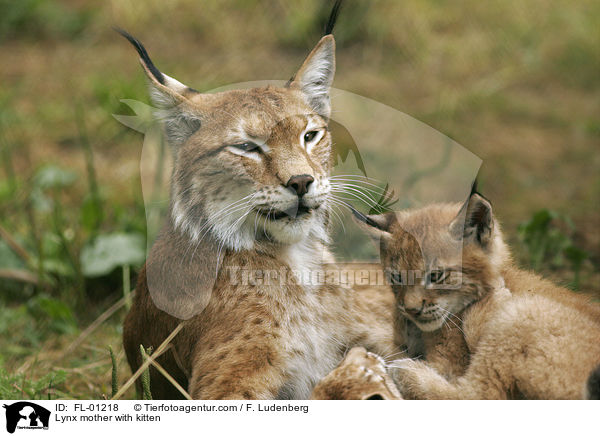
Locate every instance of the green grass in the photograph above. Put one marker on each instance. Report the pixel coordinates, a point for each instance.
(515, 82)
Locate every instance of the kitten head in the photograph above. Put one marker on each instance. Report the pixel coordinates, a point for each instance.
(440, 259)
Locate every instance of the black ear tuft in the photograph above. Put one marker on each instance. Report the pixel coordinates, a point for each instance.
(474, 188)
(143, 54)
(335, 12)
(333, 15)
(380, 222)
(475, 191)
(363, 218)
(358, 215)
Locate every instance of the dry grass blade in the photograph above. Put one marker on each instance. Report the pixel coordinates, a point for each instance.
(145, 377)
(19, 275)
(171, 379)
(93, 326)
(161, 349)
(14, 245)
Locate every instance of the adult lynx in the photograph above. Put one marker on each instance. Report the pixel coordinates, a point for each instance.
(250, 191)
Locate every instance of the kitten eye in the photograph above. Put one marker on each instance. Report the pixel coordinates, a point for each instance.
(437, 276)
(247, 146)
(309, 136)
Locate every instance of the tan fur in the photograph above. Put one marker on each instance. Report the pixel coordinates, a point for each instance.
(360, 376)
(513, 333)
(259, 342)
(263, 338)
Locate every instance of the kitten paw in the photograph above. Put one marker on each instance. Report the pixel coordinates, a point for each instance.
(415, 379)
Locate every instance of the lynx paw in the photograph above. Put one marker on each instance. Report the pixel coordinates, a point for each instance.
(416, 380)
(361, 375)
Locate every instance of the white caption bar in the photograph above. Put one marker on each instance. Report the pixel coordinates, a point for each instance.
(168, 418)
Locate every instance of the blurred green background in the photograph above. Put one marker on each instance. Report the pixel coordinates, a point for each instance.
(516, 82)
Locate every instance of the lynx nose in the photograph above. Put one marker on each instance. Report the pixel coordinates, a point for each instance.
(415, 310)
(300, 184)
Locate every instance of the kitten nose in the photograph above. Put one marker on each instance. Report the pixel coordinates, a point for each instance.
(415, 311)
(300, 184)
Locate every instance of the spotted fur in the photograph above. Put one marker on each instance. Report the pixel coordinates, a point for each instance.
(489, 330)
(233, 206)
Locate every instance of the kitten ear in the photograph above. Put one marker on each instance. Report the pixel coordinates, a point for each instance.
(315, 76)
(475, 221)
(375, 225)
(178, 114)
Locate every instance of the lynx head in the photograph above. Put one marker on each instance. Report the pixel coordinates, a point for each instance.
(440, 259)
(250, 166)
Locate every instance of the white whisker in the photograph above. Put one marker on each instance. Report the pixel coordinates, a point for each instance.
(339, 218)
(370, 190)
(450, 319)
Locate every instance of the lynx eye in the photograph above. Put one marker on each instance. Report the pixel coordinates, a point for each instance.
(309, 136)
(247, 146)
(437, 276)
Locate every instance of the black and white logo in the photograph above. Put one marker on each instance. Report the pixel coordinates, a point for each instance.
(26, 415)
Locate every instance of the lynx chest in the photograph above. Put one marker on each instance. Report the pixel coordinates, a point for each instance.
(310, 346)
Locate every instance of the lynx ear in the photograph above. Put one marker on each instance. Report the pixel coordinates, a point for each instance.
(315, 76)
(375, 225)
(179, 115)
(474, 222)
